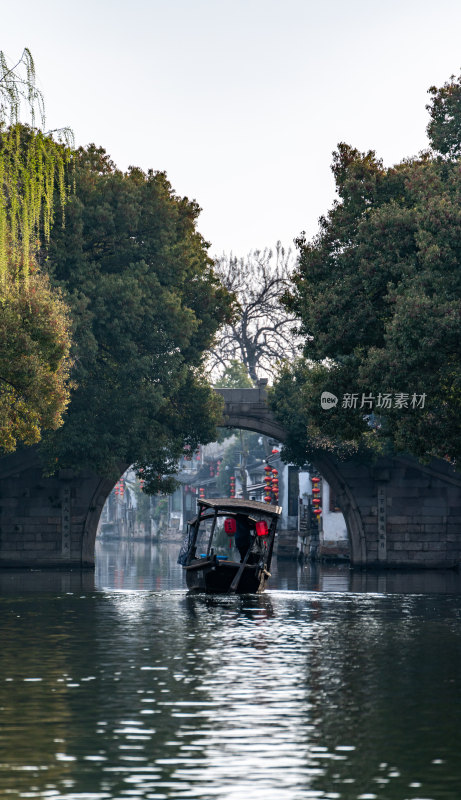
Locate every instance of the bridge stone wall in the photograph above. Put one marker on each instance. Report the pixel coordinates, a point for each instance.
(400, 513)
(48, 522)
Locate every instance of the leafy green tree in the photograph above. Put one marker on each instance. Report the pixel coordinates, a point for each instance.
(445, 123)
(235, 376)
(34, 323)
(34, 363)
(378, 296)
(240, 449)
(146, 306)
(243, 445)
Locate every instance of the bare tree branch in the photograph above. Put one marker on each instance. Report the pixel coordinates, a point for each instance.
(264, 332)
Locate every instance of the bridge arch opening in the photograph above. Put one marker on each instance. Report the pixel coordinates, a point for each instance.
(247, 409)
(325, 465)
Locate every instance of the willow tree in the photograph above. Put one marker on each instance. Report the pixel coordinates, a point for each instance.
(34, 324)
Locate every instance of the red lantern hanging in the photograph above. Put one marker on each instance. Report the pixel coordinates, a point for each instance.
(268, 498)
(230, 526)
(315, 480)
(317, 511)
(261, 528)
(316, 501)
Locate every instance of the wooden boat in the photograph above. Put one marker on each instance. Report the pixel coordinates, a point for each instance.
(247, 523)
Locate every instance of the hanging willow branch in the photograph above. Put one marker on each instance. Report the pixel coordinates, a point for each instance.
(32, 167)
(15, 89)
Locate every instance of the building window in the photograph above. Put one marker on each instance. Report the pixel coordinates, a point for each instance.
(333, 501)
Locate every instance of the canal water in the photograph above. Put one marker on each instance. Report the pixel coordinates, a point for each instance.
(119, 685)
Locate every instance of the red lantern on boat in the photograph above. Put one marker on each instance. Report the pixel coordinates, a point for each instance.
(230, 526)
(261, 528)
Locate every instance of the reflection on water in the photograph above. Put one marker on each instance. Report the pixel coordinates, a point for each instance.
(327, 686)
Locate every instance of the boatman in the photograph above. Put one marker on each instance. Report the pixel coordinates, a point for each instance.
(242, 535)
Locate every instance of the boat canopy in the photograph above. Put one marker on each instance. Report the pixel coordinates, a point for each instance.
(237, 506)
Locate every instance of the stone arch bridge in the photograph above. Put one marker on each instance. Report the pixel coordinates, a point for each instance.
(398, 513)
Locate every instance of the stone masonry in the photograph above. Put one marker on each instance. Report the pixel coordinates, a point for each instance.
(47, 521)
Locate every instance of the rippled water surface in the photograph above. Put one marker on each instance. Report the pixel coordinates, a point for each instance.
(330, 685)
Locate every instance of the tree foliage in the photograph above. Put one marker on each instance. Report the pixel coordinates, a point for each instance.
(145, 306)
(235, 376)
(244, 446)
(32, 165)
(19, 92)
(34, 363)
(445, 123)
(34, 324)
(378, 293)
(261, 332)
(31, 169)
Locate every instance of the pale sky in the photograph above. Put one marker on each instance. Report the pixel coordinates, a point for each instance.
(242, 102)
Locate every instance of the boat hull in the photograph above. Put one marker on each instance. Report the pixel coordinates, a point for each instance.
(216, 577)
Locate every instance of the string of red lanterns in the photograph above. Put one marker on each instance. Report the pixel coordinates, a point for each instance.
(271, 483)
(316, 501)
(120, 488)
